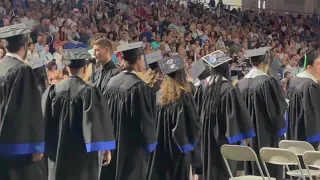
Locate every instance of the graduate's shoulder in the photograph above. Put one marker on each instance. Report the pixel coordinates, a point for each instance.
(255, 82)
(125, 81)
(299, 84)
(72, 86)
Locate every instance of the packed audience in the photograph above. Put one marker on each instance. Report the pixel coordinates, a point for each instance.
(193, 31)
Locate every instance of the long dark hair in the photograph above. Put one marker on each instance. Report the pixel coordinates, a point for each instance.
(211, 98)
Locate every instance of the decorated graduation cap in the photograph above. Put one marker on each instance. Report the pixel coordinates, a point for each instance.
(15, 35)
(198, 68)
(154, 57)
(77, 58)
(216, 58)
(131, 52)
(257, 55)
(171, 64)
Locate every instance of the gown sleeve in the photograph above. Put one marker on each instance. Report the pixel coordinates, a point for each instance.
(275, 104)
(22, 115)
(50, 124)
(239, 125)
(312, 114)
(97, 125)
(142, 108)
(186, 131)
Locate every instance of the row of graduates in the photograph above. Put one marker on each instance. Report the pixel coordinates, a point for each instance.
(124, 119)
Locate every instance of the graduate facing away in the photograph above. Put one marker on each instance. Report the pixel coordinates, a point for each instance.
(131, 104)
(21, 124)
(304, 101)
(178, 126)
(79, 132)
(153, 76)
(265, 100)
(223, 113)
(103, 53)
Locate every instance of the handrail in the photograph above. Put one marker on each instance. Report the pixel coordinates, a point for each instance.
(271, 10)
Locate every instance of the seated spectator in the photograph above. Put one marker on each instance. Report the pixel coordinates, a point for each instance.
(58, 76)
(156, 44)
(45, 54)
(58, 56)
(39, 45)
(32, 53)
(57, 42)
(72, 36)
(43, 28)
(51, 71)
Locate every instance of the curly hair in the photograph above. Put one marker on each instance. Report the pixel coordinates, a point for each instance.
(151, 76)
(172, 87)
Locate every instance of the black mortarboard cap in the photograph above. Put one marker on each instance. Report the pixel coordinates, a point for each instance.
(154, 57)
(131, 52)
(36, 63)
(171, 64)
(13, 30)
(76, 58)
(198, 67)
(257, 55)
(14, 33)
(216, 58)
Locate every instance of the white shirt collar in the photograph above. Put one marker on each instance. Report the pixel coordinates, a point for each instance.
(254, 73)
(305, 74)
(14, 56)
(133, 72)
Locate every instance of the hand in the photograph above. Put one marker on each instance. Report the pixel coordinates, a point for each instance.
(37, 157)
(107, 158)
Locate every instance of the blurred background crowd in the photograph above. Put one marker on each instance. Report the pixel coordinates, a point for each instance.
(193, 30)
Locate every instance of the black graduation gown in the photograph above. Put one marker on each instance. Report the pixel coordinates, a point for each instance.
(266, 104)
(21, 122)
(178, 130)
(41, 78)
(303, 113)
(78, 130)
(230, 124)
(103, 74)
(131, 104)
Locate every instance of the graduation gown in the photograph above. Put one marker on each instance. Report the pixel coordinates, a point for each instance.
(103, 74)
(230, 124)
(178, 131)
(78, 130)
(41, 78)
(131, 104)
(265, 100)
(303, 112)
(21, 122)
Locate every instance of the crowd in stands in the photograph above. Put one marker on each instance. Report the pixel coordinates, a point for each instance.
(193, 31)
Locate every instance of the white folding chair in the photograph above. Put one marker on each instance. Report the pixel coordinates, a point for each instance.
(241, 153)
(311, 159)
(299, 148)
(282, 157)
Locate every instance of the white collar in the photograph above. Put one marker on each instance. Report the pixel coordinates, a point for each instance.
(210, 79)
(304, 74)
(14, 56)
(133, 72)
(254, 73)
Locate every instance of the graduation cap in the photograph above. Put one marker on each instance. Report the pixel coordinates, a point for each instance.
(257, 55)
(154, 57)
(36, 63)
(13, 30)
(131, 52)
(198, 67)
(77, 58)
(171, 64)
(216, 58)
(15, 35)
